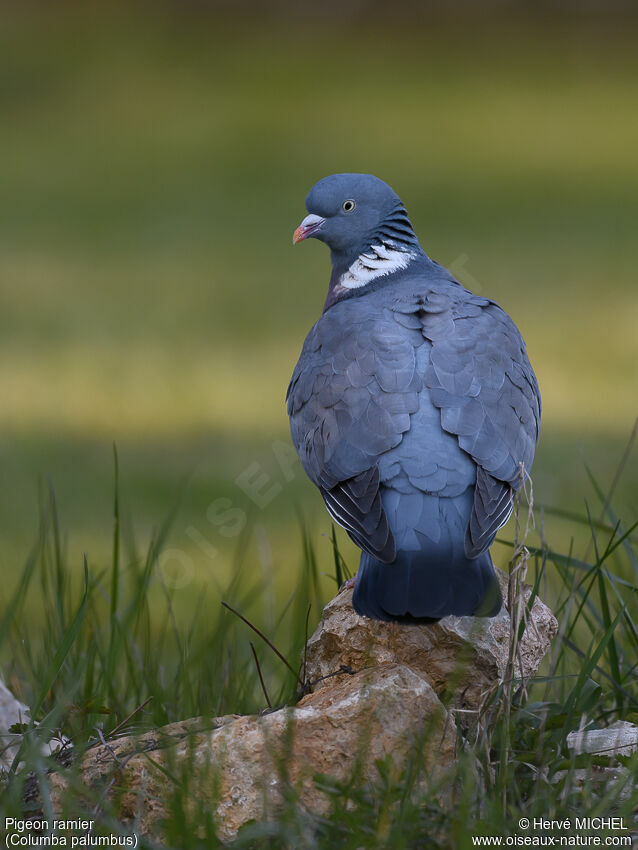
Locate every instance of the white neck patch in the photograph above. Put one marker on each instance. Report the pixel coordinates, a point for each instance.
(378, 261)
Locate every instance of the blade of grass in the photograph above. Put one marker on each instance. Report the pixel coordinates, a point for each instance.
(115, 570)
(53, 670)
(68, 639)
(265, 640)
(14, 606)
(585, 672)
(606, 617)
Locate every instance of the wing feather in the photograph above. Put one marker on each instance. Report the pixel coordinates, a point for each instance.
(342, 425)
(481, 380)
(367, 367)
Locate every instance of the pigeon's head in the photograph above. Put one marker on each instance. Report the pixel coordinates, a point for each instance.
(351, 212)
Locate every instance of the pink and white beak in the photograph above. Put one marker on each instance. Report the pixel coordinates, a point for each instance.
(308, 226)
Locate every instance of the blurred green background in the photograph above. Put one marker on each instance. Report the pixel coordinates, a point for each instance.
(153, 165)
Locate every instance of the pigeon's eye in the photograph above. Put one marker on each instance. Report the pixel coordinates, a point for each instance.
(347, 206)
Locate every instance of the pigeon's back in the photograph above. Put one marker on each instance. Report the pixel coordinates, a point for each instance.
(415, 411)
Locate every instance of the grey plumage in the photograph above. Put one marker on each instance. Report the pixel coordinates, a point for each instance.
(412, 407)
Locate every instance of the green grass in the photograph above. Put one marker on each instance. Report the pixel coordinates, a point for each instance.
(117, 656)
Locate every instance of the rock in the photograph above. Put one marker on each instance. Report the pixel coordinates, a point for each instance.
(619, 739)
(12, 711)
(243, 766)
(462, 657)
(377, 692)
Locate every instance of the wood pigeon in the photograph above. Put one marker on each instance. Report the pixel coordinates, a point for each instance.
(413, 408)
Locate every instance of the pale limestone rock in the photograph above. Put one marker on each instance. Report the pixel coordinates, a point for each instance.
(461, 657)
(375, 695)
(619, 739)
(12, 711)
(243, 764)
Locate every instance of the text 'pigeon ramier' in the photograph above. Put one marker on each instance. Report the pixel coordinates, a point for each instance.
(412, 407)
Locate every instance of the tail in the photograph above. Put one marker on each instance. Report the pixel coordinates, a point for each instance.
(422, 587)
